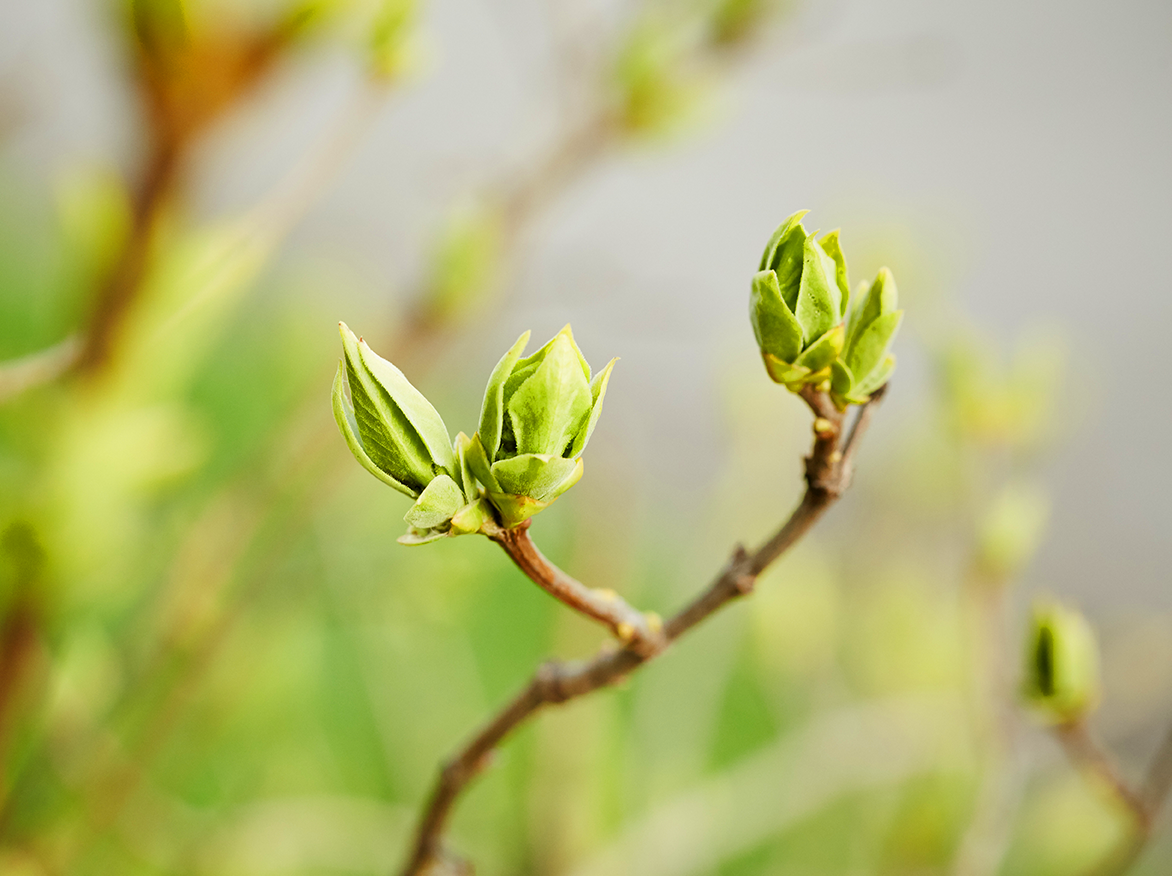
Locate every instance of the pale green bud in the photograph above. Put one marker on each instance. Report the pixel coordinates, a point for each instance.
(732, 22)
(397, 436)
(656, 90)
(393, 47)
(866, 365)
(467, 260)
(1011, 530)
(798, 300)
(1062, 664)
(537, 416)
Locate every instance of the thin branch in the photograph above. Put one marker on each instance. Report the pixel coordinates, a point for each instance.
(556, 682)
(183, 91)
(1158, 783)
(641, 632)
(1144, 805)
(44, 366)
(1088, 757)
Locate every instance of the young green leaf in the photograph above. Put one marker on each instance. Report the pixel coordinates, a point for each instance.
(550, 407)
(492, 411)
(598, 391)
(832, 247)
(818, 297)
(347, 428)
(872, 343)
(823, 351)
(435, 505)
(774, 325)
(532, 474)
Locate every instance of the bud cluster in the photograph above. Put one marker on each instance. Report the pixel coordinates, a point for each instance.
(537, 416)
(808, 333)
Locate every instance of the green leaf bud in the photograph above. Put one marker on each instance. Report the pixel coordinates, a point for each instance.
(797, 304)
(538, 414)
(397, 436)
(1062, 665)
(870, 328)
(393, 49)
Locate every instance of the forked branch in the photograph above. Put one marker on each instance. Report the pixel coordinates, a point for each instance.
(828, 473)
(640, 632)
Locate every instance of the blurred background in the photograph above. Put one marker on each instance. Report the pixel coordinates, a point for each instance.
(215, 659)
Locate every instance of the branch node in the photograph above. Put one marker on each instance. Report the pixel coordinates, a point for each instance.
(549, 683)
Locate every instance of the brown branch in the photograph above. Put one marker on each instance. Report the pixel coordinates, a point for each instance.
(827, 475)
(122, 284)
(1144, 804)
(640, 632)
(1088, 756)
(183, 88)
(1158, 783)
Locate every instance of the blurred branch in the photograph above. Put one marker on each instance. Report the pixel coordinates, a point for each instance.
(18, 375)
(1091, 759)
(20, 634)
(186, 82)
(188, 644)
(828, 473)
(1143, 805)
(986, 840)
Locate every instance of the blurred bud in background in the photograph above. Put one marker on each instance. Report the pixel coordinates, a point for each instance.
(732, 22)
(1002, 404)
(394, 46)
(467, 261)
(1011, 530)
(656, 88)
(1062, 665)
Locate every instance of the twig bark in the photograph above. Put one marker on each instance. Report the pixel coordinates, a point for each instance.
(828, 472)
(1143, 804)
(183, 90)
(1087, 756)
(641, 632)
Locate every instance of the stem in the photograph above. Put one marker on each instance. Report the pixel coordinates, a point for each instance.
(1144, 805)
(828, 471)
(1086, 754)
(123, 283)
(643, 633)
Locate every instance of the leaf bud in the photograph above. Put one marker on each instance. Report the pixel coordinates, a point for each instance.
(397, 436)
(798, 300)
(1011, 530)
(537, 417)
(1062, 664)
(866, 365)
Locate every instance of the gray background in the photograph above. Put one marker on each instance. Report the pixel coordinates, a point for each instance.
(1014, 155)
